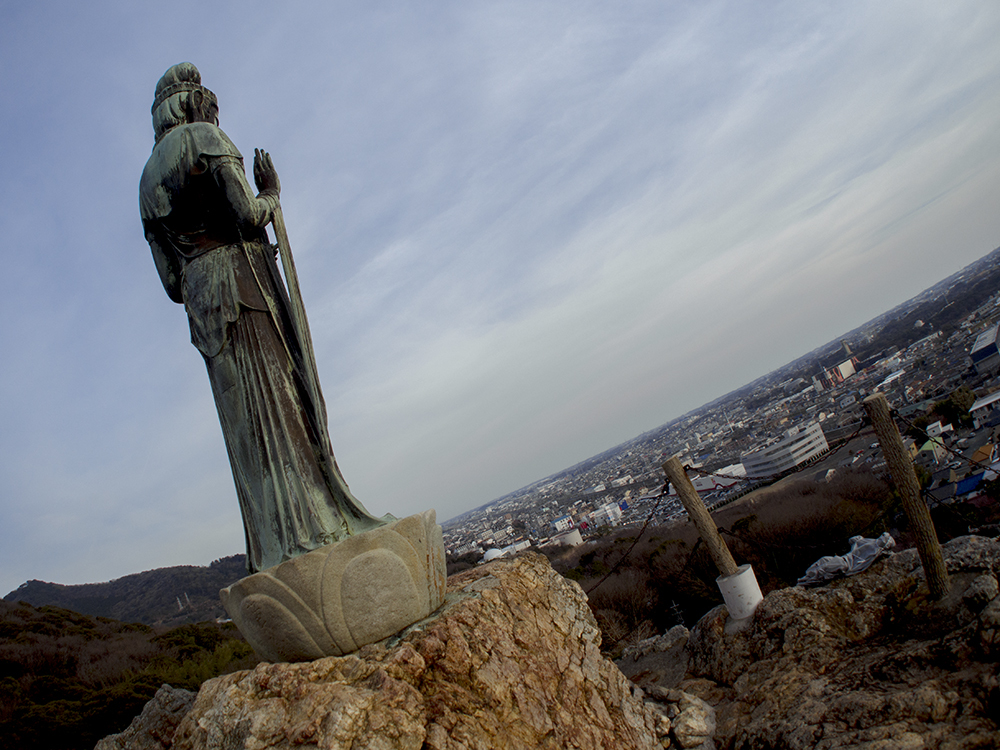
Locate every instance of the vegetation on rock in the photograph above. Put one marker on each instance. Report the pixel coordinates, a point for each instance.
(68, 679)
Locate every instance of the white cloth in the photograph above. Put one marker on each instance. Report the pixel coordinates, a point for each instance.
(863, 553)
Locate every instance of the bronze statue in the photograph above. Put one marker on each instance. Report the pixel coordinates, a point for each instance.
(206, 230)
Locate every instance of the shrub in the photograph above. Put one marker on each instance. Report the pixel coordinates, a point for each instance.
(67, 680)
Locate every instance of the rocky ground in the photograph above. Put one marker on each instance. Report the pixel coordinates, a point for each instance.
(864, 662)
(511, 661)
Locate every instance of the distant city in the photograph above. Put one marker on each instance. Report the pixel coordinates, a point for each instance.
(917, 354)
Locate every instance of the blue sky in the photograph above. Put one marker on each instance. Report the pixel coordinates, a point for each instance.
(526, 231)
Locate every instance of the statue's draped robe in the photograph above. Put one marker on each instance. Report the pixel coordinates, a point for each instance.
(206, 230)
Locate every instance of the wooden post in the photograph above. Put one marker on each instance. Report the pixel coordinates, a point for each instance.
(901, 469)
(700, 517)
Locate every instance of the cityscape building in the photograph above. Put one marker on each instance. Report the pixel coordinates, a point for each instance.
(563, 523)
(797, 446)
(984, 355)
(608, 514)
(983, 409)
(882, 355)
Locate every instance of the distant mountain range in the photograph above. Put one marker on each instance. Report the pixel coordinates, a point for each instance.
(165, 596)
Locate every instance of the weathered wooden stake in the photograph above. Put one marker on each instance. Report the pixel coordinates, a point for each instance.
(700, 517)
(901, 469)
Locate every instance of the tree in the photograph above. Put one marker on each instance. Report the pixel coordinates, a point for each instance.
(955, 408)
(916, 428)
(992, 489)
(924, 477)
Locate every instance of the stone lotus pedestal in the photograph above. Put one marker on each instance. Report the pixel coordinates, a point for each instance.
(336, 599)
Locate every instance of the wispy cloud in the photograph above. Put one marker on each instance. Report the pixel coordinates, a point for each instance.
(525, 231)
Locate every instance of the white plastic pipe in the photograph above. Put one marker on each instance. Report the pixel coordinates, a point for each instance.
(740, 592)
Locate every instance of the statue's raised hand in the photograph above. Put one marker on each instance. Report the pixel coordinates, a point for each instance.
(264, 173)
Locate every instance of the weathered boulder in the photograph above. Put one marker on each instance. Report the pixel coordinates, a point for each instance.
(695, 722)
(864, 662)
(154, 728)
(512, 660)
(981, 592)
(989, 629)
(660, 661)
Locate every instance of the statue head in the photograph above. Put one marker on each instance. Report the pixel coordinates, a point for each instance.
(180, 98)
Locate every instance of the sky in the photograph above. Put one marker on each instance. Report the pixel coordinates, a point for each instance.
(525, 232)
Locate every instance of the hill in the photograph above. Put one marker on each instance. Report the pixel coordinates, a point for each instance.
(68, 679)
(165, 596)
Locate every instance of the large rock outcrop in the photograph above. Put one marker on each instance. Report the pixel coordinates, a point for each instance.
(154, 728)
(511, 661)
(865, 662)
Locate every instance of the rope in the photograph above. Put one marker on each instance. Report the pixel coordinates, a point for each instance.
(663, 493)
(762, 481)
(831, 451)
(735, 535)
(622, 559)
(948, 448)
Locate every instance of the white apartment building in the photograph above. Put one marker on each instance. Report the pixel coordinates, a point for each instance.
(563, 523)
(798, 445)
(985, 354)
(983, 408)
(608, 514)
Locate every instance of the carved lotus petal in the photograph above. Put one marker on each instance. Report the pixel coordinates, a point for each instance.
(333, 600)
